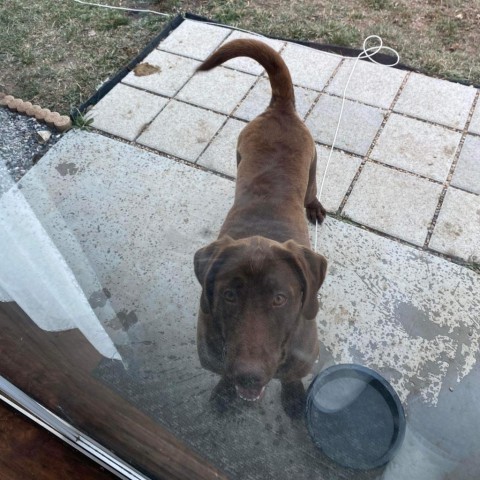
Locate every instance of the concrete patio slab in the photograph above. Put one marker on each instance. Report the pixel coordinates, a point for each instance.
(125, 111)
(457, 231)
(358, 128)
(259, 97)
(220, 90)
(436, 100)
(182, 130)
(340, 173)
(372, 84)
(194, 39)
(467, 171)
(247, 64)
(474, 126)
(393, 202)
(417, 146)
(408, 314)
(310, 68)
(174, 71)
(220, 155)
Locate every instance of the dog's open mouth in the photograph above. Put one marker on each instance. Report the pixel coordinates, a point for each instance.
(250, 394)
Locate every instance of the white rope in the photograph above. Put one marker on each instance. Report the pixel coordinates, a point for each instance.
(365, 53)
(122, 8)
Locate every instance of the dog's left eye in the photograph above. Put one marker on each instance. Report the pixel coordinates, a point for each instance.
(230, 296)
(279, 300)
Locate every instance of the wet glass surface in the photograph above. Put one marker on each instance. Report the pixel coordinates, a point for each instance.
(97, 250)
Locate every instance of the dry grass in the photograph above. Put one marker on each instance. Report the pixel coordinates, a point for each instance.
(439, 37)
(57, 52)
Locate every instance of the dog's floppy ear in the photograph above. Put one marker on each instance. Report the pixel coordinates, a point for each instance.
(207, 261)
(312, 268)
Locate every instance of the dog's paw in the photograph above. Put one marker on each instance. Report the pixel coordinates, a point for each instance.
(223, 395)
(315, 212)
(294, 399)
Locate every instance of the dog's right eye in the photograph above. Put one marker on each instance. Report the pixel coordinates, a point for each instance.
(230, 295)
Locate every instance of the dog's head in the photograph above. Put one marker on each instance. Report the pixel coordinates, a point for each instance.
(257, 292)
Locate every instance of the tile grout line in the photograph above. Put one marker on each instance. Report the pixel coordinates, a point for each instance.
(403, 170)
(400, 114)
(323, 90)
(448, 180)
(162, 154)
(366, 157)
(146, 125)
(380, 163)
(450, 258)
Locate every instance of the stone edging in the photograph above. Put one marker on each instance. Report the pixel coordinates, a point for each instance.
(53, 119)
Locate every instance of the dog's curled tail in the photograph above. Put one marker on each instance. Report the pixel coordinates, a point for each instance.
(267, 57)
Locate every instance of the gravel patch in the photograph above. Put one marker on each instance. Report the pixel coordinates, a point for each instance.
(20, 146)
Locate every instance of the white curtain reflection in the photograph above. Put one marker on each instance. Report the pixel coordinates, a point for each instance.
(34, 274)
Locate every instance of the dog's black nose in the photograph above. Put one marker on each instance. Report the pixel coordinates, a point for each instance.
(248, 380)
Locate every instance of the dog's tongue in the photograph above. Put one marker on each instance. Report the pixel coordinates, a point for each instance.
(250, 394)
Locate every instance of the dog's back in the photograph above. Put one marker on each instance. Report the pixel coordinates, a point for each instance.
(275, 153)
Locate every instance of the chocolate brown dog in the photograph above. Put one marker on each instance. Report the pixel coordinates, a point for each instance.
(260, 278)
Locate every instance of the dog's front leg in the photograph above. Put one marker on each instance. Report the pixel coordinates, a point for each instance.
(293, 398)
(314, 209)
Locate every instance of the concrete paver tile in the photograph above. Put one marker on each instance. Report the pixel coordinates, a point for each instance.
(309, 67)
(124, 111)
(435, 100)
(174, 71)
(467, 171)
(182, 130)
(247, 64)
(221, 153)
(457, 231)
(474, 126)
(340, 173)
(194, 39)
(259, 97)
(417, 146)
(393, 202)
(359, 124)
(372, 84)
(220, 89)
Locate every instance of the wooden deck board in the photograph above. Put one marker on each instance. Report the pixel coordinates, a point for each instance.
(29, 452)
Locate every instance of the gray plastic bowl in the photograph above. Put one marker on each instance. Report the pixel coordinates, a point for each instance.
(355, 416)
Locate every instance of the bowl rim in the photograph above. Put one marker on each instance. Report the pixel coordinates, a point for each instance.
(386, 390)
